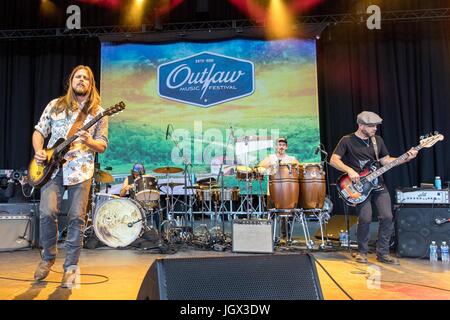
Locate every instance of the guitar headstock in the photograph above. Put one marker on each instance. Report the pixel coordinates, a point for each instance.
(430, 139)
(118, 107)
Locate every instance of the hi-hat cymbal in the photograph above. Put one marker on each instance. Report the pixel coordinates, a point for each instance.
(173, 184)
(167, 170)
(209, 180)
(103, 177)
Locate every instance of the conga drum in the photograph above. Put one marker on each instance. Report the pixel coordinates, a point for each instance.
(312, 187)
(284, 187)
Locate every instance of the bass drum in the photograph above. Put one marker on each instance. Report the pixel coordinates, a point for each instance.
(283, 186)
(119, 222)
(312, 187)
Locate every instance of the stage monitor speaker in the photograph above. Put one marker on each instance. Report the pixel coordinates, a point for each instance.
(17, 226)
(416, 227)
(256, 277)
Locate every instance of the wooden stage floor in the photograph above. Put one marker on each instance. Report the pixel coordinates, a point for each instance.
(412, 280)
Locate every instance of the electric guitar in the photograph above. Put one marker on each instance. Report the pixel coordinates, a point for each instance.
(39, 174)
(354, 193)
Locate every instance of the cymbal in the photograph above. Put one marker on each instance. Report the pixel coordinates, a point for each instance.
(209, 180)
(103, 177)
(172, 184)
(167, 170)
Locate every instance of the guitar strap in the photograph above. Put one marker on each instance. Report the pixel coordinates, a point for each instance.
(375, 147)
(77, 124)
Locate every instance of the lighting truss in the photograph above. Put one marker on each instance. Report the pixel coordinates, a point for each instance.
(238, 25)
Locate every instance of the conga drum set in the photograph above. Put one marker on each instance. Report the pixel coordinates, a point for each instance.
(296, 191)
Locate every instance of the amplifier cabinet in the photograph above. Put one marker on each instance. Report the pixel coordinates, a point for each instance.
(252, 235)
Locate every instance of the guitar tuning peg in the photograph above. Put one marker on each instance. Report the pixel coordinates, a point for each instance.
(436, 132)
(422, 137)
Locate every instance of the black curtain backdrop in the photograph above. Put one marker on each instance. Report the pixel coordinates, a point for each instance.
(401, 72)
(31, 74)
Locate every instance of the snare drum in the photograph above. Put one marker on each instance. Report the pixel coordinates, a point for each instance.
(119, 222)
(146, 189)
(312, 187)
(283, 186)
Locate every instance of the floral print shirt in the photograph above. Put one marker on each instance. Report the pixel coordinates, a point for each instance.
(79, 164)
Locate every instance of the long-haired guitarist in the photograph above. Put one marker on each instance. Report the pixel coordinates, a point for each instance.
(351, 155)
(61, 119)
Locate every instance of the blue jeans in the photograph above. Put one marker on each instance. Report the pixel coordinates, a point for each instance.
(51, 198)
(382, 201)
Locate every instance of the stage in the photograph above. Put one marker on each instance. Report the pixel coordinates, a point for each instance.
(413, 279)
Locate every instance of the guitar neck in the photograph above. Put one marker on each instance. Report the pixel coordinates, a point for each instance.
(71, 139)
(390, 165)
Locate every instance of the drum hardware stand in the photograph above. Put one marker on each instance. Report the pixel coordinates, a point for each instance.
(300, 216)
(318, 213)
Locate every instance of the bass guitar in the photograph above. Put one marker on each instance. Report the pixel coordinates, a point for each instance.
(40, 173)
(354, 193)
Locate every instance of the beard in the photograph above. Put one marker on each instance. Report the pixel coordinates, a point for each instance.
(80, 90)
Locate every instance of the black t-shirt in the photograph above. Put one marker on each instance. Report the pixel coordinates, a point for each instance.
(356, 152)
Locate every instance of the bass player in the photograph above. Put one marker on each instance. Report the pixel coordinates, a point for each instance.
(351, 154)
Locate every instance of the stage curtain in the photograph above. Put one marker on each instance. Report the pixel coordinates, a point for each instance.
(402, 72)
(32, 72)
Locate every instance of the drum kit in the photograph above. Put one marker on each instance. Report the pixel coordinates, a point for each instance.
(295, 190)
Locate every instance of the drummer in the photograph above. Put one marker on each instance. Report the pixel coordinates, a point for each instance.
(272, 161)
(137, 171)
(270, 165)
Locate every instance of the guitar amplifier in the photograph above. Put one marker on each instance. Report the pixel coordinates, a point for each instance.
(252, 236)
(17, 226)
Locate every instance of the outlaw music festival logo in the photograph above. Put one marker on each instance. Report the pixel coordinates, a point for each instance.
(206, 79)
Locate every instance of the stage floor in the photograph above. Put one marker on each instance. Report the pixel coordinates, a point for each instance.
(412, 279)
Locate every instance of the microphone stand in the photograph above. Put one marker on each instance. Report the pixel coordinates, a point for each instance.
(187, 176)
(220, 174)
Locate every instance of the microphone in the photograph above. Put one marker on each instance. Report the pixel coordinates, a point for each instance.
(317, 150)
(232, 133)
(167, 130)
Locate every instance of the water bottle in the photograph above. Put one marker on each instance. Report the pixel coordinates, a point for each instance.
(178, 221)
(444, 252)
(343, 238)
(433, 251)
(437, 182)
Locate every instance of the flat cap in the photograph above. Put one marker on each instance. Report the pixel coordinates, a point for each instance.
(282, 139)
(368, 118)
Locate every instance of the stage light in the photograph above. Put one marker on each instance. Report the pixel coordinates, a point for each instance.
(135, 12)
(47, 8)
(279, 21)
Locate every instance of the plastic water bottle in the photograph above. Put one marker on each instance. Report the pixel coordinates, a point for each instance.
(444, 252)
(433, 251)
(343, 238)
(437, 182)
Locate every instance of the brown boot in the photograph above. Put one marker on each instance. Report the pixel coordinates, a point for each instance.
(43, 269)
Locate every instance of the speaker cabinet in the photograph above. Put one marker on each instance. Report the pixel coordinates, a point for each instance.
(416, 227)
(257, 277)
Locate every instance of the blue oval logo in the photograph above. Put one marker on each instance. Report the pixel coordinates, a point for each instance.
(206, 79)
